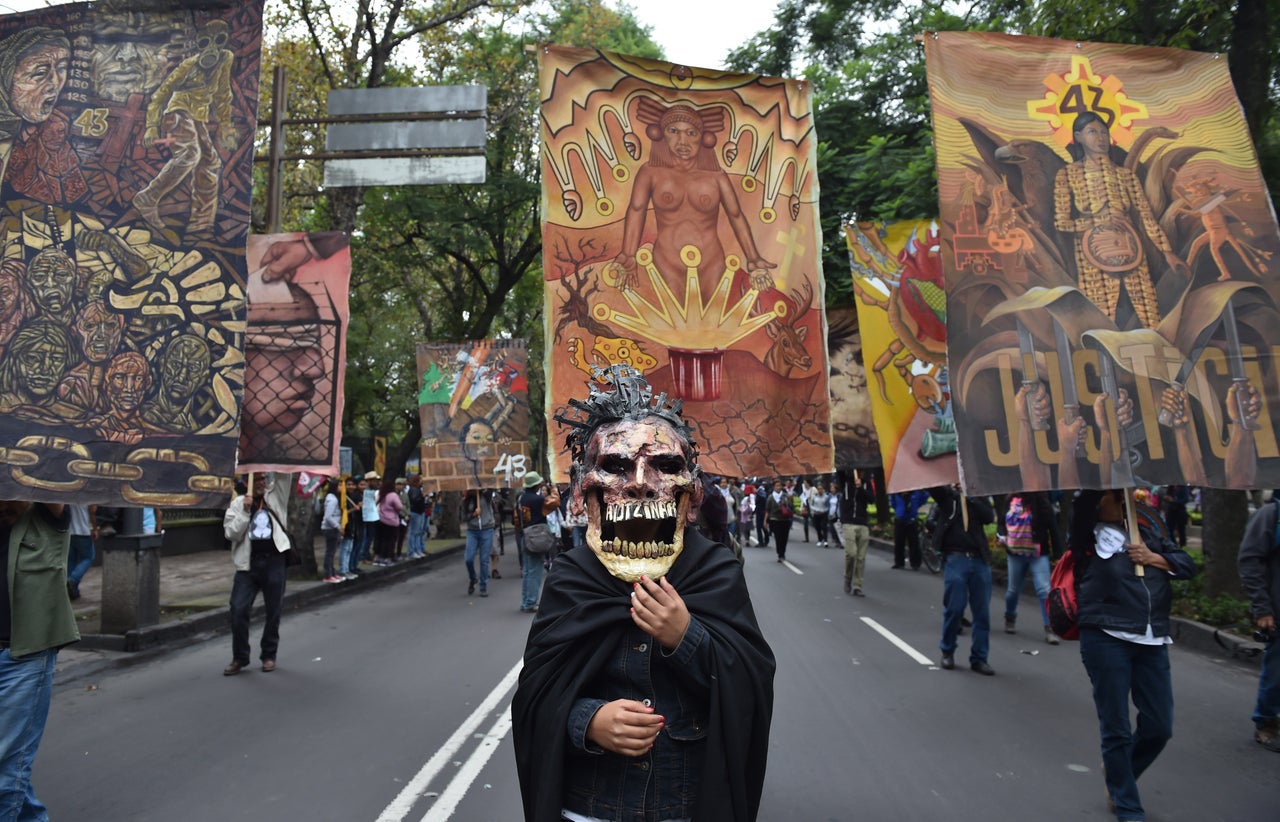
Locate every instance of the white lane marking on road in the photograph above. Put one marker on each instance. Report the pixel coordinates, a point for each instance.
(404, 802)
(902, 646)
(444, 807)
(788, 564)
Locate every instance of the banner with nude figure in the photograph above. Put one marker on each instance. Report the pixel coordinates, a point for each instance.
(1111, 266)
(295, 352)
(126, 152)
(474, 405)
(902, 314)
(681, 237)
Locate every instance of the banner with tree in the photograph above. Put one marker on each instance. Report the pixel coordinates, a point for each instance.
(1111, 269)
(902, 312)
(127, 146)
(474, 405)
(295, 352)
(681, 237)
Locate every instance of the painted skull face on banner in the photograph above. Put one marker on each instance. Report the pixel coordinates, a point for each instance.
(636, 477)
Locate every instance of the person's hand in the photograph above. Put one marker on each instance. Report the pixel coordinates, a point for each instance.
(1040, 403)
(659, 611)
(150, 136)
(282, 260)
(1174, 401)
(1140, 554)
(625, 726)
(1071, 434)
(1265, 623)
(626, 271)
(1243, 399)
(248, 503)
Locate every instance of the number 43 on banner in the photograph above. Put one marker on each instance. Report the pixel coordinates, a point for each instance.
(511, 467)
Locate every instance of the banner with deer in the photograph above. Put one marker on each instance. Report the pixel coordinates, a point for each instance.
(295, 352)
(681, 237)
(853, 430)
(902, 312)
(474, 405)
(1111, 269)
(126, 151)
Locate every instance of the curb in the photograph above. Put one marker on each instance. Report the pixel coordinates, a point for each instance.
(213, 622)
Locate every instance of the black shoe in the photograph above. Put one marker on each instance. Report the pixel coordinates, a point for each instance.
(981, 667)
(471, 588)
(897, 567)
(948, 662)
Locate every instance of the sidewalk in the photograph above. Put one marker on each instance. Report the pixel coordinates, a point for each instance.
(194, 592)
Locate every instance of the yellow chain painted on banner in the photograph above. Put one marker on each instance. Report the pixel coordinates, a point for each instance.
(198, 481)
(116, 471)
(28, 453)
(59, 445)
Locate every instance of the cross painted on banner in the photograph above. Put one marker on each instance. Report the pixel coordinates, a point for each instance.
(793, 249)
(123, 134)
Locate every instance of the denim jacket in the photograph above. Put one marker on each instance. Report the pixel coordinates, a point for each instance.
(663, 783)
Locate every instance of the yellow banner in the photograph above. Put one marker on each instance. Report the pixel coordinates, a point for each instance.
(681, 236)
(1111, 266)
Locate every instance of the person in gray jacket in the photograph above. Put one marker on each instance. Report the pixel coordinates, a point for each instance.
(1259, 565)
(255, 526)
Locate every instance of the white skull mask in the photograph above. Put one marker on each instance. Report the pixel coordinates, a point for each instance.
(639, 491)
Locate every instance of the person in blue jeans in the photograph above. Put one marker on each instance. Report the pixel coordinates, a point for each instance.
(417, 504)
(1029, 528)
(1259, 566)
(1123, 595)
(966, 574)
(477, 513)
(532, 508)
(84, 533)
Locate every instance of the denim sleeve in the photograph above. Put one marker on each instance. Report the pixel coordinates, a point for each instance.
(579, 718)
(692, 657)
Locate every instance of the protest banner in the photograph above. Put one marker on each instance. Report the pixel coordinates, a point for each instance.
(127, 137)
(897, 281)
(474, 405)
(295, 352)
(1111, 270)
(681, 237)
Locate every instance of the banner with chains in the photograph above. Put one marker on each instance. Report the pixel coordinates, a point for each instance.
(681, 237)
(853, 431)
(474, 405)
(126, 149)
(1111, 266)
(295, 352)
(902, 311)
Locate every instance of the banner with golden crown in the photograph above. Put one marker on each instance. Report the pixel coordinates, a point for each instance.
(902, 313)
(295, 352)
(474, 405)
(1111, 266)
(681, 236)
(126, 156)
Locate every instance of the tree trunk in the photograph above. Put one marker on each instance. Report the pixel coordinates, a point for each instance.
(302, 526)
(1252, 58)
(448, 524)
(1221, 530)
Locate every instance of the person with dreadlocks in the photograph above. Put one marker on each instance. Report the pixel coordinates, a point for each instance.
(647, 687)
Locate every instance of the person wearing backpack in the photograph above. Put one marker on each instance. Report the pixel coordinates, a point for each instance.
(1030, 529)
(1123, 614)
(779, 513)
(1259, 566)
(532, 507)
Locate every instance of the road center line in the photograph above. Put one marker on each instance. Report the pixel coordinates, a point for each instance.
(902, 646)
(788, 564)
(444, 807)
(404, 802)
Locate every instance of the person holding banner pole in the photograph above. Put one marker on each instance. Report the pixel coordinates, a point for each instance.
(477, 513)
(1124, 596)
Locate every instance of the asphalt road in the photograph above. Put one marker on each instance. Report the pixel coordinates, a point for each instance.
(393, 706)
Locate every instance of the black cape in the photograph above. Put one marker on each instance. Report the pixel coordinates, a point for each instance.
(583, 615)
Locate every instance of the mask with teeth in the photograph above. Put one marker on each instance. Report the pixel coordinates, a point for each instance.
(639, 489)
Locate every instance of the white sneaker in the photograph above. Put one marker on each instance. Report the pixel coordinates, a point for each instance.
(349, 576)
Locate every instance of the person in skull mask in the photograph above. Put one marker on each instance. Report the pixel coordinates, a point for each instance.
(647, 687)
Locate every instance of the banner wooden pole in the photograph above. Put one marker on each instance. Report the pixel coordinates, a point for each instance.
(1135, 535)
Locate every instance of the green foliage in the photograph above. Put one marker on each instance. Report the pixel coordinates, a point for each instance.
(1190, 601)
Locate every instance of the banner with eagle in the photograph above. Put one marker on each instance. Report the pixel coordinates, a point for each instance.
(681, 237)
(1111, 266)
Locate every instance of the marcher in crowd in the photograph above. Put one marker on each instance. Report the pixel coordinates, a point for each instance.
(389, 509)
(800, 504)
(255, 526)
(534, 503)
(35, 622)
(417, 505)
(1174, 505)
(1030, 531)
(966, 574)
(1259, 566)
(331, 528)
(369, 516)
(747, 515)
(762, 514)
(1124, 637)
(835, 512)
(906, 528)
(855, 550)
(819, 510)
(779, 512)
(84, 533)
(350, 524)
(478, 514)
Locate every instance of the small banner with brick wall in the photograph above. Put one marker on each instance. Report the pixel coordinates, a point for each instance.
(474, 404)
(295, 352)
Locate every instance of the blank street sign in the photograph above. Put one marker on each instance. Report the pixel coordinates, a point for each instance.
(404, 171)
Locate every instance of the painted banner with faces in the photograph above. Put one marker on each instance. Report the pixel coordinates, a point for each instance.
(1112, 266)
(681, 237)
(473, 401)
(126, 152)
(295, 352)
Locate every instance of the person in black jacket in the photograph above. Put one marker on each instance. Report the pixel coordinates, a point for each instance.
(966, 574)
(1259, 565)
(1123, 596)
